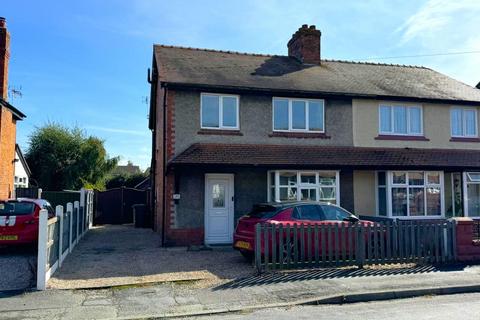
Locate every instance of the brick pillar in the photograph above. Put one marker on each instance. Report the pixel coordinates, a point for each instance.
(467, 249)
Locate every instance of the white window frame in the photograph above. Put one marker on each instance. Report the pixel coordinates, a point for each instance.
(390, 185)
(466, 176)
(220, 111)
(307, 120)
(301, 186)
(464, 127)
(408, 107)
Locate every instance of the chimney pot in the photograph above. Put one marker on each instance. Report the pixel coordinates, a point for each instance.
(305, 45)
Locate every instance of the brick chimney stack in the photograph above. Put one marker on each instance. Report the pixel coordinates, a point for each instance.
(4, 58)
(305, 45)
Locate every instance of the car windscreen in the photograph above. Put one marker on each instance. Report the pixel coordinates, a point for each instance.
(263, 211)
(15, 208)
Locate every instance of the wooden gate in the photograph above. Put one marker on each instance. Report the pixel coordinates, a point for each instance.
(114, 206)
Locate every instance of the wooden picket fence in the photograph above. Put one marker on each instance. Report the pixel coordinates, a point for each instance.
(300, 245)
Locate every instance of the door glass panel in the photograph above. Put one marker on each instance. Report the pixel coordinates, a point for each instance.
(433, 202)
(473, 191)
(417, 202)
(218, 195)
(399, 201)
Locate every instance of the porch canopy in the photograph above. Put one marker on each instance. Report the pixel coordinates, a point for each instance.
(286, 156)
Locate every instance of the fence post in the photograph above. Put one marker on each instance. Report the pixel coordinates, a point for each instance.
(83, 203)
(42, 250)
(76, 206)
(70, 211)
(258, 247)
(39, 193)
(361, 247)
(59, 214)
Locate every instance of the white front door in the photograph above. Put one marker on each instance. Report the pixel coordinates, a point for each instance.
(218, 208)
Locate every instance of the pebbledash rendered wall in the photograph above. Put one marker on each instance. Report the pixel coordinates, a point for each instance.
(255, 113)
(250, 185)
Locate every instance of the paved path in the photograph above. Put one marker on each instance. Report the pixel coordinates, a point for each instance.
(252, 292)
(461, 306)
(115, 255)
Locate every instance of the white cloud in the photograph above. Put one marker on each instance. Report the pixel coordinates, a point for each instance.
(444, 26)
(119, 130)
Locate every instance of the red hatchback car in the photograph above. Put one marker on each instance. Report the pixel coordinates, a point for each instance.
(308, 213)
(19, 220)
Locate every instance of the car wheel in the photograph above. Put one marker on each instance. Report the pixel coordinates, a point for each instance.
(248, 255)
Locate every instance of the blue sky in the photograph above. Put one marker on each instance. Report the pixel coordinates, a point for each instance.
(84, 62)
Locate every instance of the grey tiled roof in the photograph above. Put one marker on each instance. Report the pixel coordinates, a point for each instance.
(263, 72)
(328, 157)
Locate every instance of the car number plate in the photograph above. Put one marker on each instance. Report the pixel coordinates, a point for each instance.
(10, 238)
(243, 245)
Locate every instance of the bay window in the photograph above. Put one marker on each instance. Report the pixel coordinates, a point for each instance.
(219, 111)
(298, 115)
(292, 185)
(410, 193)
(463, 122)
(400, 120)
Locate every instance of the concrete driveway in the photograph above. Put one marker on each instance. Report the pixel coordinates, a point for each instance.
(17, 267)
(114, 255)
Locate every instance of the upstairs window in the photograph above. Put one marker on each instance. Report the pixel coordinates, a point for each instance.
(400, 120)
(298, 115)
(219, 111)
(463, 122)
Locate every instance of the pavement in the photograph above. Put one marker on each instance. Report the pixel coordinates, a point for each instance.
(278, 290)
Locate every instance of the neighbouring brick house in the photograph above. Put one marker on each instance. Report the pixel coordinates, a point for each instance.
(233, 129)
(9, 116)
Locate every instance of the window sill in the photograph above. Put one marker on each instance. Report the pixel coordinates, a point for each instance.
(401, 138)
(220, 132)
(459, 139)
(299, 135)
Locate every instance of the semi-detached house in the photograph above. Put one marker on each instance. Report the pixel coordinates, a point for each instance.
(233, 129)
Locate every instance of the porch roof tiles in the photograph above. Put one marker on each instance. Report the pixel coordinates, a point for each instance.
(325, 156)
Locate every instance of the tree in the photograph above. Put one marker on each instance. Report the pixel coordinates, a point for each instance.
(125, 180)
(65, 158)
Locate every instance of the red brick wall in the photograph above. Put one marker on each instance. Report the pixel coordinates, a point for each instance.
(7, 153)
(4, 57)
(467, 248)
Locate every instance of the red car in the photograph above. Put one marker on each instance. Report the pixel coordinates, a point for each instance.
(19, 220)
(307, 213)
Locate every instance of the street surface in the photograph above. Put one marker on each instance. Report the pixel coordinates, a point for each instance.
(447, 307)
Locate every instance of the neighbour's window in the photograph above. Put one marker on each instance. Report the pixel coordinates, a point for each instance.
(400, 120)
(303, 186)
(415, 193)
(219, 111)
(298, 115)
(463, 122)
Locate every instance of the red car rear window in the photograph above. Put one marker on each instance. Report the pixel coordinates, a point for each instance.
(15, 208)
(263, 211)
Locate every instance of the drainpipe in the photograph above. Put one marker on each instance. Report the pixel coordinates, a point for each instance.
(164, 173)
